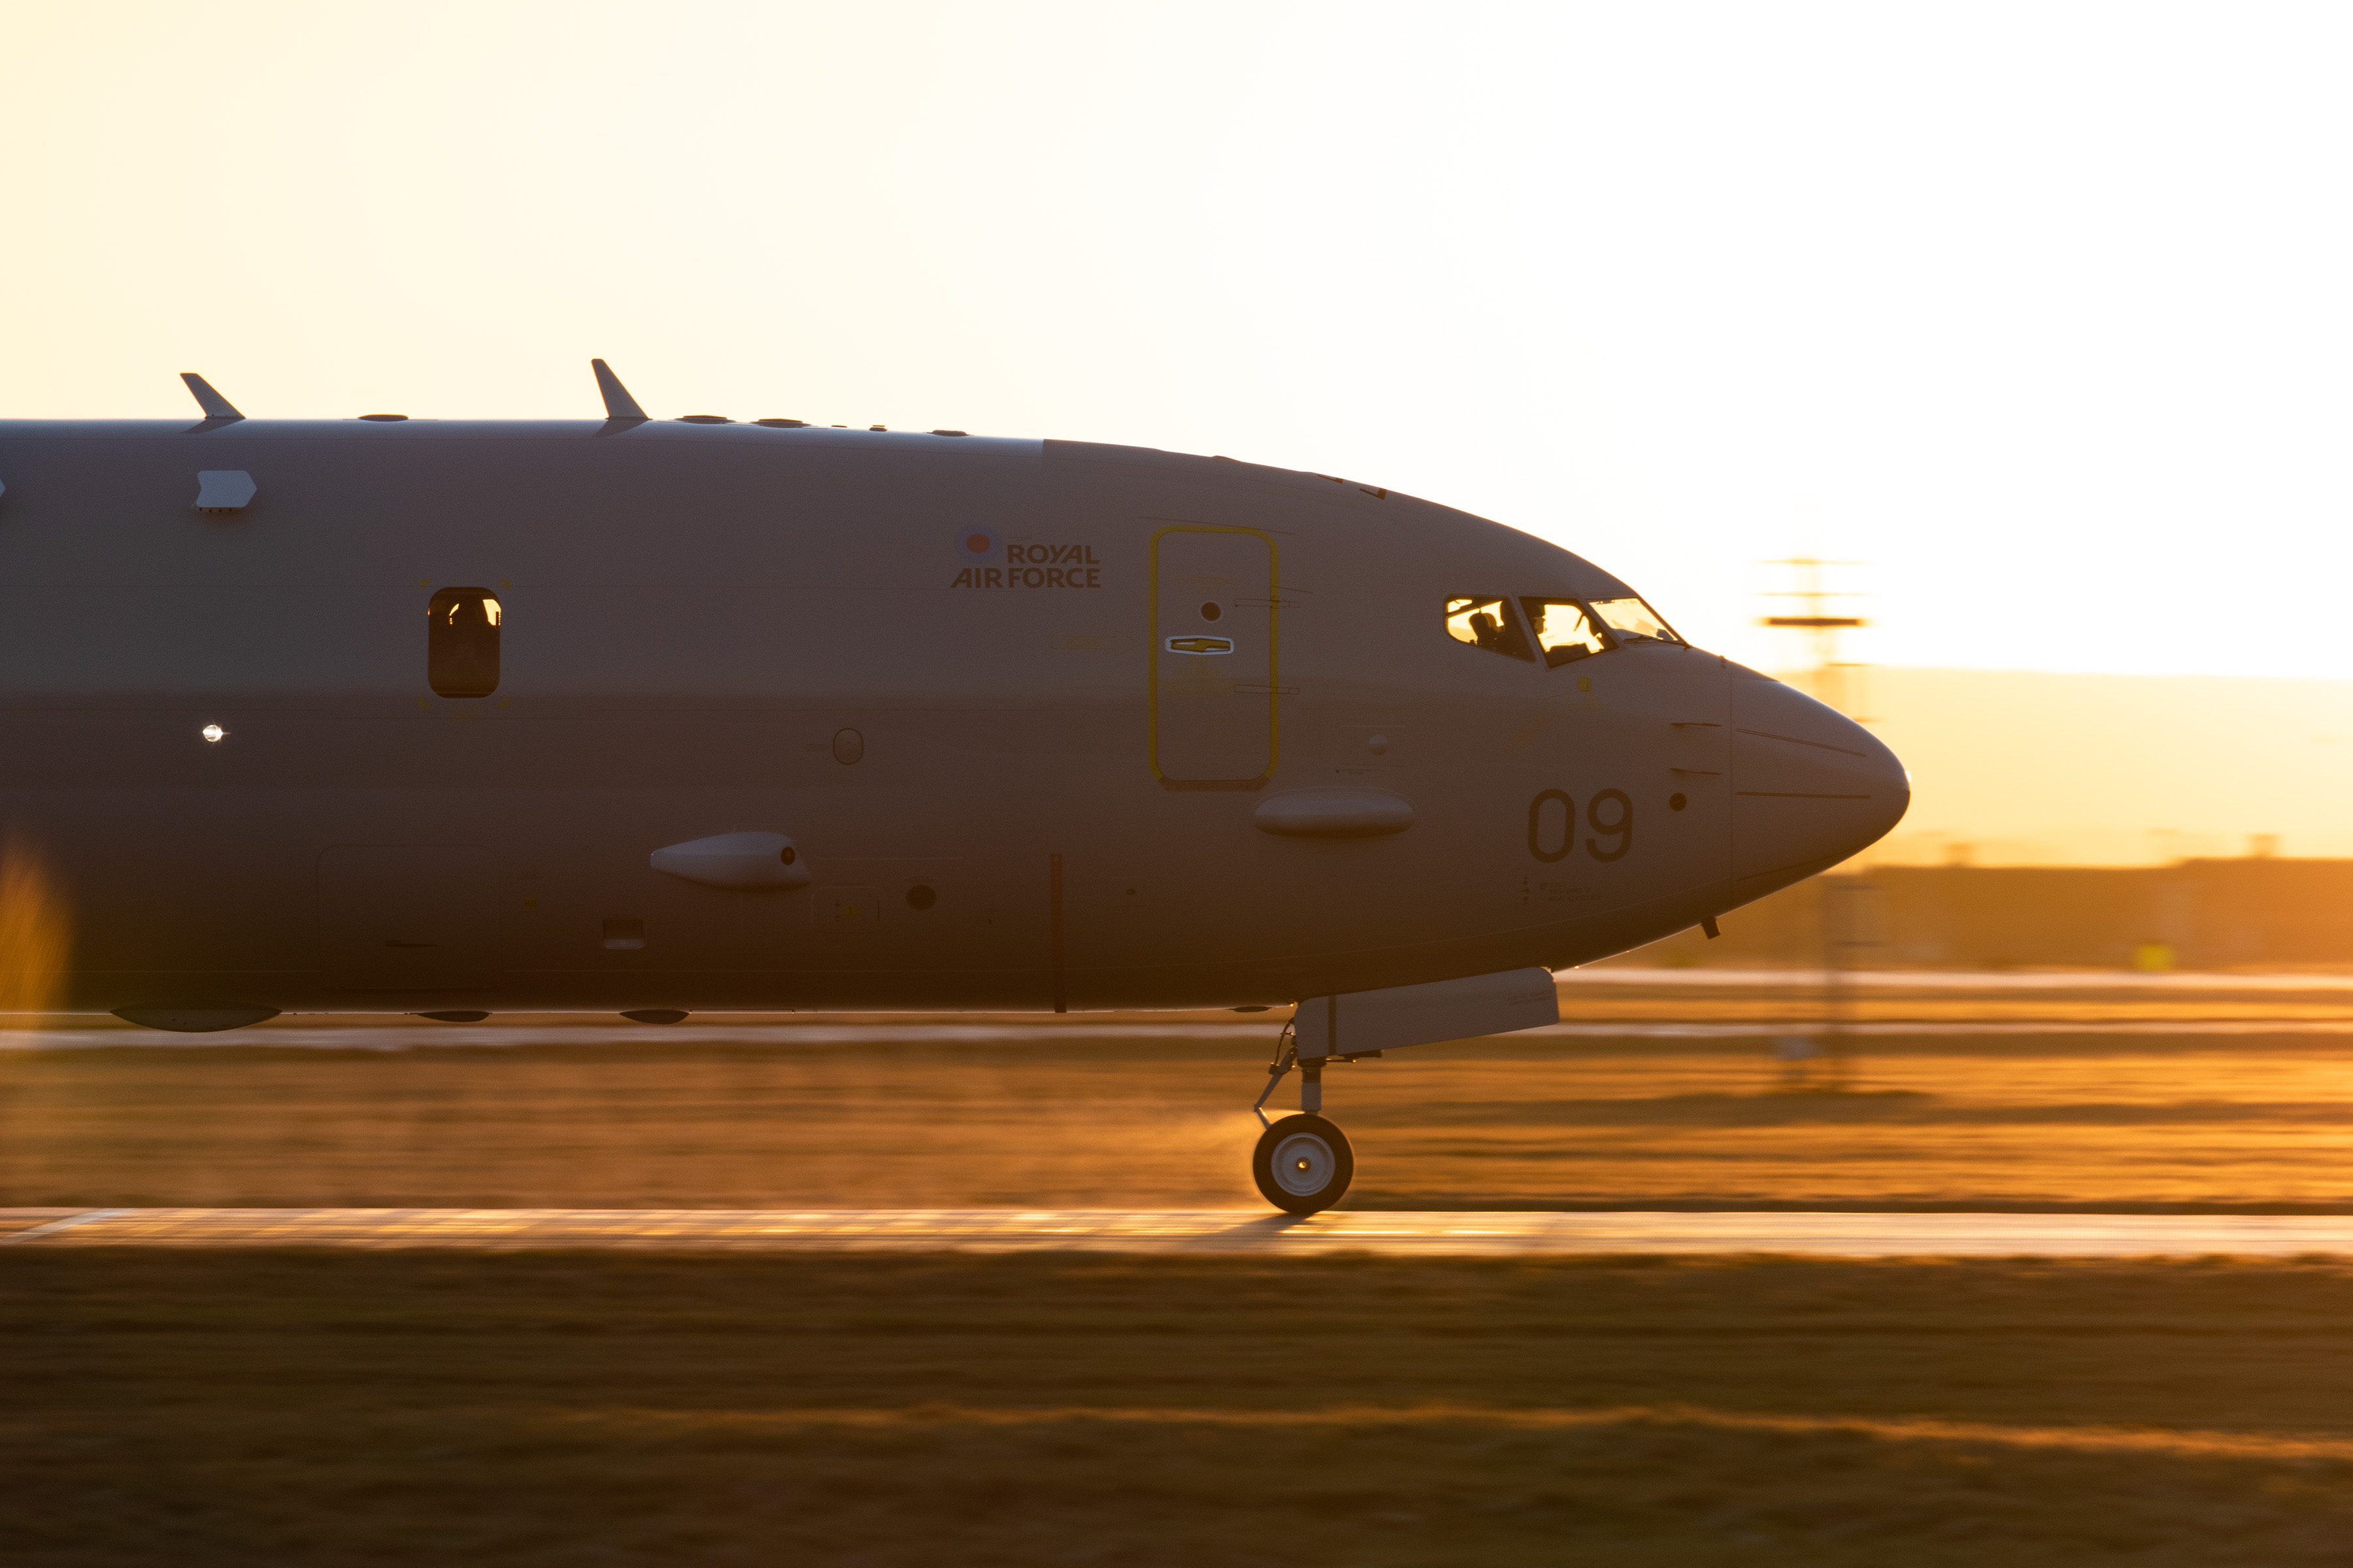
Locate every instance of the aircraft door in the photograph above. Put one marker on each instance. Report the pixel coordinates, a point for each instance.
(1214, 633)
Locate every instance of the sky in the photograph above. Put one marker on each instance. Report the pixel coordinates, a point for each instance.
(2012, 768)
(2041, 313)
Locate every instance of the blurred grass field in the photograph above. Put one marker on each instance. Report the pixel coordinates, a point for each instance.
(379, 1409)
(1071, 1115)
(360, 1409)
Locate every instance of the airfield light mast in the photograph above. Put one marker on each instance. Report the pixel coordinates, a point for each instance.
(1828, 676)
(1837, 896)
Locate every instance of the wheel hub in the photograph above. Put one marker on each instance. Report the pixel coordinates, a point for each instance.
(1304, 1165)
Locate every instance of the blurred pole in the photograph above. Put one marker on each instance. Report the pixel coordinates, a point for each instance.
(1845, 931)
(1840, 930)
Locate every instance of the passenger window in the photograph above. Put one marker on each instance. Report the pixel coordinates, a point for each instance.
(1564, 630)
(461, 643)
(1633, 621)
(1488, 624)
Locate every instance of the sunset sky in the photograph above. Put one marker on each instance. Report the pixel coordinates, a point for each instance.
(2041, 310)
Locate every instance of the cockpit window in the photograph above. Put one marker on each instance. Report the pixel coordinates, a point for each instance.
(1633, 621)
(1564, 630)
(1488, 624)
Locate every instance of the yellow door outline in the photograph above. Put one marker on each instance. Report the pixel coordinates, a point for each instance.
(1273, 658)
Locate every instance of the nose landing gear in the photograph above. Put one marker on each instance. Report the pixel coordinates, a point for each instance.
(1303, 1164)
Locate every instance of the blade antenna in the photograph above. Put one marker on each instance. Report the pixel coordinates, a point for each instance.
(214, 405)
(619, 404)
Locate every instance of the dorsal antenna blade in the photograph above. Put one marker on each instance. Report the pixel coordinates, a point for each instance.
(214, 405)
(619, 404)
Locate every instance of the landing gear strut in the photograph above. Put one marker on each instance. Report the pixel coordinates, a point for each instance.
(1303, 1164)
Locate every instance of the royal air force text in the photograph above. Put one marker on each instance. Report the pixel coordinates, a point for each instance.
(1037, 567)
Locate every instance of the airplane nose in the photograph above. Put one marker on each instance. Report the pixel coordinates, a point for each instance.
(1809, 785)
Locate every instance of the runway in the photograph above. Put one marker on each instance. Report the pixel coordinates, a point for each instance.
(1194, 1231)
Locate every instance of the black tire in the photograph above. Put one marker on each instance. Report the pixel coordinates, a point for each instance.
(1317, 1164)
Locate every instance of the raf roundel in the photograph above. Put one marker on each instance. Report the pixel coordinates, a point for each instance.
(975, 544)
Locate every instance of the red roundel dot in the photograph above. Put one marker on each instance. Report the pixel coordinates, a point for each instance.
(977, 544)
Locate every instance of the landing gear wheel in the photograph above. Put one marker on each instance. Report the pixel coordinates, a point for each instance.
(1302, 1165)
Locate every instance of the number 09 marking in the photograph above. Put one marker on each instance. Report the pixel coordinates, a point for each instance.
(1620, 826)
(1536, 827)
(1616, 822)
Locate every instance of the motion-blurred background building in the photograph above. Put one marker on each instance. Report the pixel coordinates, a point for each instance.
(2258, 911)
(2086, 820)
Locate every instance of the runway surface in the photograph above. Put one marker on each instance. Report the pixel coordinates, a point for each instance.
(1230, 1231)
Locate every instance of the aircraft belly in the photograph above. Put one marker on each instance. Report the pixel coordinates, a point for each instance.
(443, 863)
(409, 918)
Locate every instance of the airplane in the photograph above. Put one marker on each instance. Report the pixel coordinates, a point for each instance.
(698, 714)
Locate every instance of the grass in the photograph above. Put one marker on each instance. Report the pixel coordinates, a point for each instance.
(1061, 1122)
(331, 1409)
(323, 1410)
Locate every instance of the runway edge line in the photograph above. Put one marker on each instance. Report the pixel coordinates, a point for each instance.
(1198, 1231)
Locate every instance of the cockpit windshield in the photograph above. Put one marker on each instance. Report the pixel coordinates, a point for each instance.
(1564, 630)
(1488, 624)
(1633, 621)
